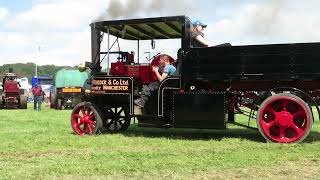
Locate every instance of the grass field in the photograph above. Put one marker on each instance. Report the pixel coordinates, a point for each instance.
(41, 145)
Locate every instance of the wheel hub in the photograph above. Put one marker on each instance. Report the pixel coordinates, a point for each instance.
(86, 119)
(284, 119)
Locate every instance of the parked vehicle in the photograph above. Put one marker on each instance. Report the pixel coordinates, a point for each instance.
(277, 82)
(11, 95)
(68, 88)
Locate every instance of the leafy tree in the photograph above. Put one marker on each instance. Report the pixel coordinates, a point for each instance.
(28, 69)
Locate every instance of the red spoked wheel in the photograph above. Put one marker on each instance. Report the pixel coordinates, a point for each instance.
(85, 119)
(284, 118)
(117, 119)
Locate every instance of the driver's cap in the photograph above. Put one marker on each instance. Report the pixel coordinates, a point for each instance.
(199, 23)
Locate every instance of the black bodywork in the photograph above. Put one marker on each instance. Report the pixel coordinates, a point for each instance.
(228, 66)
(207, 76)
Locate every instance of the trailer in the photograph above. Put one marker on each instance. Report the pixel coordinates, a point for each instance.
(275, 84)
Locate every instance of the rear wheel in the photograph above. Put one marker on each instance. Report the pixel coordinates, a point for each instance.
(23, 102)
(53, 100)
(1, 102)
(59, 104)
(86, 119)
(117, 119)
(284, 118)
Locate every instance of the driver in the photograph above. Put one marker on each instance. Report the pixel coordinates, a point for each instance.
(167, 70)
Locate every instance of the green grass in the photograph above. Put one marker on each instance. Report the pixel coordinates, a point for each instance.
(41, 145)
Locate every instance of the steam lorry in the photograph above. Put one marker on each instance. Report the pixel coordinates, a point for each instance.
(273, 84)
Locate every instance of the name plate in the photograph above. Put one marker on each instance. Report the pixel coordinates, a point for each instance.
(71, 90)
(111, 85)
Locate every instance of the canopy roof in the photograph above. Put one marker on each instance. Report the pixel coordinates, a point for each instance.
(144, 29)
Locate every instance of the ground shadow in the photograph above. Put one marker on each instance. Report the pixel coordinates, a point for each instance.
(199, 134)
(195, 134)
(314, 136)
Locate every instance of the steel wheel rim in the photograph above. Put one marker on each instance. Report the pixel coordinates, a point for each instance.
(116, 119)
(284, 119)
(84, 121)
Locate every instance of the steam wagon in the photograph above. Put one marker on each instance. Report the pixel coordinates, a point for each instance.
(67, 89)
(278, 83)
(11, 95)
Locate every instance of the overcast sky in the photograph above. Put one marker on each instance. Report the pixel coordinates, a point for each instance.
(61, 27)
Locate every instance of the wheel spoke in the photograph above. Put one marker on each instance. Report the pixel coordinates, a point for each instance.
(84, 129)
(282, 133)
(111, 122)
(268, 125)
(82, 111)
(121, 123)
(298, 130)
(108, 120)
(285, 103)
(111, 111)
(77, 116)
(92, 116)
(299, 113)
(78, 125)
(119, 113)
(88, 111)
(90, 129)
(271, 110)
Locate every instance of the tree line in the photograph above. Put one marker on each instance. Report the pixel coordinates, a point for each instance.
(28, 69)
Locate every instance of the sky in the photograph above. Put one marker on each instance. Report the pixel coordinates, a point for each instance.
(57, 31)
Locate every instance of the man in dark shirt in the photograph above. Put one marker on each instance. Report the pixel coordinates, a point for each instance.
(37, 96)
(197, 36)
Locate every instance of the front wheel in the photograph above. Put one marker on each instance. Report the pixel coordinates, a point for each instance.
(86, 119)
(284, 118)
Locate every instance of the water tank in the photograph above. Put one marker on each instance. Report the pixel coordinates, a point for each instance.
(70, 78)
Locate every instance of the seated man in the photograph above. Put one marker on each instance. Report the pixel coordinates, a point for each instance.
(197, 35)
(167, 70)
